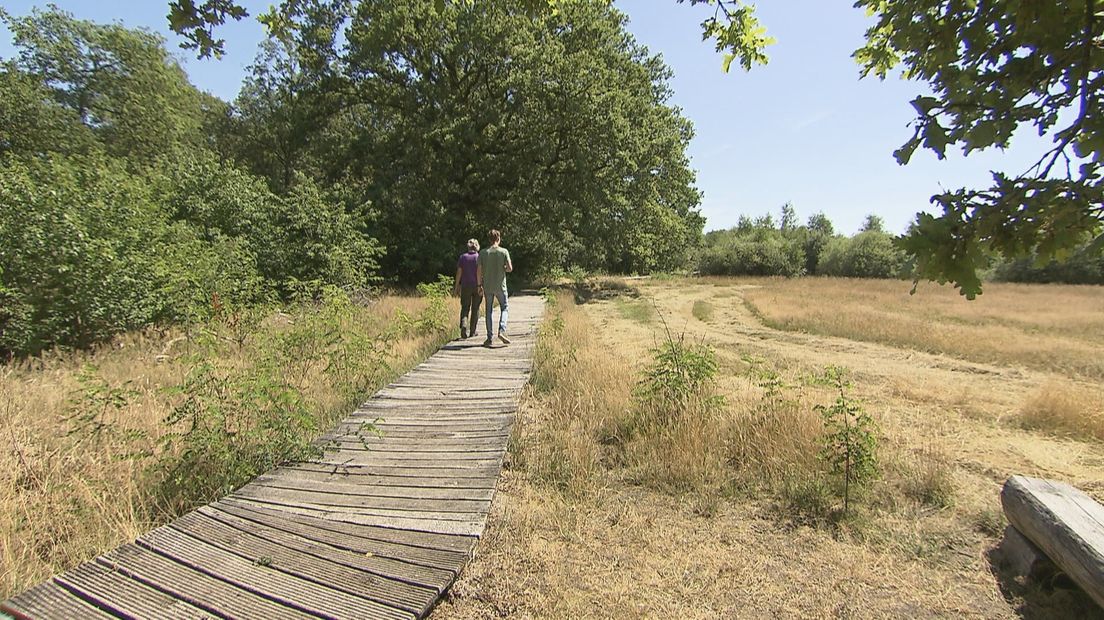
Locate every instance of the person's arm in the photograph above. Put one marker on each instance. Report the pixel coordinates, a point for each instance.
(509, 263)
(479, 273)
(456, 284)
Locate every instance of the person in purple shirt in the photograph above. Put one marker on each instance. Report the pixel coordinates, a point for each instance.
(467, 286)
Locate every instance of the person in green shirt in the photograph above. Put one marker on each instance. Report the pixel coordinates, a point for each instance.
(494, 264)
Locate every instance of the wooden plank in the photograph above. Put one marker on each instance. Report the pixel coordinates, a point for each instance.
(49, 600)
(396, 477)
(385, 442)
(291, 479)
(197, 588)
(1065, 523)
(424, 540)
(426, 446)
(124, 596)
(427, 523)
(360, 576)
(266, 580)
(325, 496)
(417, 451)
(396, 569)
(373, 459)
(383, 507)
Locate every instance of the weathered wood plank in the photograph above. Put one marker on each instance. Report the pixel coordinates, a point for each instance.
(360, 576)
(49, 600)
(428, 523)
(122, 595)
(423, 578)
(331, 497)
(1065, 523)
(394, 477)
(264, 579)
(344, 504)
(298, 479)
(196, 587)
(448, 544)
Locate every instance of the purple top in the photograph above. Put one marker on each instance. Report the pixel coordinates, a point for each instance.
(468, 264)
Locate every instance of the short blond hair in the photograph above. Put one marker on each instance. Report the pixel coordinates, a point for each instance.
(473, 245)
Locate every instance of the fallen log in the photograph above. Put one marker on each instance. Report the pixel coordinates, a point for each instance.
(1064, 523)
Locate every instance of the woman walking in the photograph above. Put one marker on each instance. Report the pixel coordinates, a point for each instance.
(467, 286)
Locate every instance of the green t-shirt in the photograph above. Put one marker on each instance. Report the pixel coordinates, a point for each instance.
(493, 261)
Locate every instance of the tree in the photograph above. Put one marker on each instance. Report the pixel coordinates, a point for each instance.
(873, 223)
(819, 231)
(555, 130)
(993, 66)
(120, 83)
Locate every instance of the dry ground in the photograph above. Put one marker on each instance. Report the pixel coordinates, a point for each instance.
(956, 422)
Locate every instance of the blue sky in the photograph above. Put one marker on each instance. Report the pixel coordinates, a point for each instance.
(803, 129)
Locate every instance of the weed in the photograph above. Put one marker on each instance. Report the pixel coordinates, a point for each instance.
(703, 311)
(849, 447)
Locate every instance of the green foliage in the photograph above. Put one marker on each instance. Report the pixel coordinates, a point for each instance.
(850, 443)
(81, 244)
(994, 67)
(230, 423)
(435, 139)
(1084, 267)
(752, 250)
(120, 83)
(680, 378)
(869, 254)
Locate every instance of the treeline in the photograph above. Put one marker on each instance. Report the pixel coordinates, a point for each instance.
(764, 247)
(130, 198)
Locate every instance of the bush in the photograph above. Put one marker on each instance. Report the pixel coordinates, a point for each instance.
(1083, 267)
(869, 254)
(80, 241)
(762, 252)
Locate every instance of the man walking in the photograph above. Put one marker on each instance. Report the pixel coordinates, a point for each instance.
(494, 264)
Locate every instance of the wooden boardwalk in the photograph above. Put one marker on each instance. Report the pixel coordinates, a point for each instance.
(377, 527)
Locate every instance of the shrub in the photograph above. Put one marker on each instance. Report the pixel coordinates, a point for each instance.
(762, 252)
(79, 241)
(869, 254)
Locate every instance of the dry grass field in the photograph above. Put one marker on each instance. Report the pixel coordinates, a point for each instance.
(605, 512)
(67, 495)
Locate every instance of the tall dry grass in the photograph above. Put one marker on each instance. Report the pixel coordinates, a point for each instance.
(594, 432)
(1065, 408)
(68, 493)
(1010, 324)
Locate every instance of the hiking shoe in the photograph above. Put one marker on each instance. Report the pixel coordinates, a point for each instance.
(488, 342)
(463, 333)
(471, 328)
(503, 338)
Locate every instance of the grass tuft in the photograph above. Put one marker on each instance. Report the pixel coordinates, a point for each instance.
(1064, 408)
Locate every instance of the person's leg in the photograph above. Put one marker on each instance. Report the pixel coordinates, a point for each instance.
(474, 320)
(503, 301)
(488, 298)
(465, 305)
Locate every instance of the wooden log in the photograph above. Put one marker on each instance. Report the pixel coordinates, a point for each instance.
(1024, 558)
(1065, 523)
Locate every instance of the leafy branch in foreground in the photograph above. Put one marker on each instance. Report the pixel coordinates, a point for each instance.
(994, 67)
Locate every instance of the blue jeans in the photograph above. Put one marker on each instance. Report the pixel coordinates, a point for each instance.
(489, 297)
